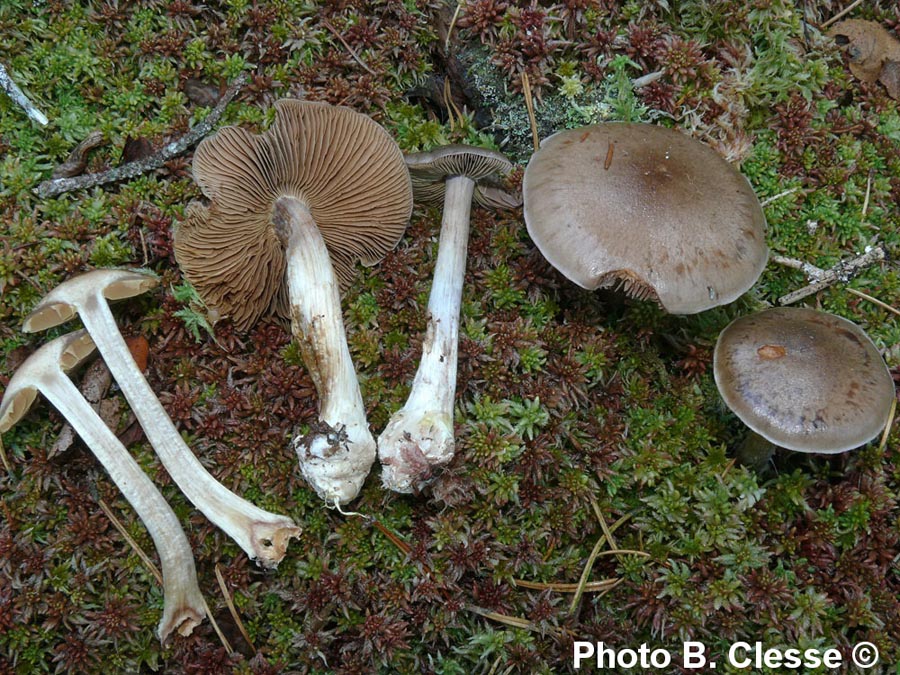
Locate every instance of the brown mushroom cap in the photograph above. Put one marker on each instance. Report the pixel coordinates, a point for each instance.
(346, 169)
(803, 379)
(429, 170)
(649, 208)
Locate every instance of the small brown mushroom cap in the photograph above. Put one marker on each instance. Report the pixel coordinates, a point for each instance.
(341, 164)
(429, 170)
(67, 353)
(803, 379)
(648, 208)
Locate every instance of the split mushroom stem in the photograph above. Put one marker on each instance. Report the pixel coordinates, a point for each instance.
(335, 458)
(263, 535)
(420, 435)
(44, 371)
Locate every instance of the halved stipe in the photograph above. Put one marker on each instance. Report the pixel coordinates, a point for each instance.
(261, 534)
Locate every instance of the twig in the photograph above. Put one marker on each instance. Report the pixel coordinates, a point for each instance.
(773, 198)
(19, 98)
(233, 609)
(529, 106)
(349, 49)
(821, 279)
(52, 188)
(649, 78)
(837, 17)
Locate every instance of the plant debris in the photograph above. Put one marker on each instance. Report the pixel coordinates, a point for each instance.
(873, 53)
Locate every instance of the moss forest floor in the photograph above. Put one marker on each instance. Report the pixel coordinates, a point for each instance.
(569, 403)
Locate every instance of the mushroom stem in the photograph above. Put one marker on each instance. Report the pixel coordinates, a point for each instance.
(419, 436)
(183, 605)
(263, 535)
(337, 454)
(755, 452)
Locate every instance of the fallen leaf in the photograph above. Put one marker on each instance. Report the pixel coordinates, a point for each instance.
(200, 93)
(140, 349)
(873, 52)
(135, 149)
(890, 78)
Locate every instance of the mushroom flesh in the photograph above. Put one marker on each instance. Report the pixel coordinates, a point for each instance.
(263, 535)
(45, 372)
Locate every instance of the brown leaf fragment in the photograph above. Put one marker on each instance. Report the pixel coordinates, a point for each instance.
(94, 386)
(140, 349)
(136, 149)
(200, 93)
(869, 46)
(890, 78)
(77, 162)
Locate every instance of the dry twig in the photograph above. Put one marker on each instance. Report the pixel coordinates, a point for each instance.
(821, 279)
(52, 188)
(19, 97)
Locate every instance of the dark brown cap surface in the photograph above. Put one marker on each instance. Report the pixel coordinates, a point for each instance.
(648, 208)
(805, 380)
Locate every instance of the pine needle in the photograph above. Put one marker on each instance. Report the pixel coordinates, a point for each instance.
(231, 608)
(595, 553)
(154, 570)
(566, 587)
(452, 26)
(5, 459)
(529, 106)
(874, 301)
(212, 621)
(887, 428)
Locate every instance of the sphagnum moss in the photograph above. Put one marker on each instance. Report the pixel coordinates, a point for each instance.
(626, 412)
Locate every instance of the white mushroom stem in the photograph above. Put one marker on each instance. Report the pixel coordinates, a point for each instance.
(419, 436)
(263, 535)
(337, 454)
(183, 605)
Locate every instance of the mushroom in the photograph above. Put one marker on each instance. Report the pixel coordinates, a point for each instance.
(647, 208)
(419, 436)
(802, 379)
(45, 372)
(323, 186)
(263, 535)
